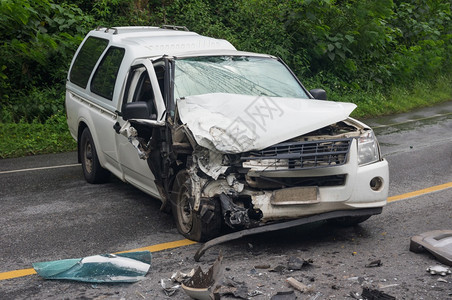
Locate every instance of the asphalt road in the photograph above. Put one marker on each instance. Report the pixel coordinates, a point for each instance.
(50, 214)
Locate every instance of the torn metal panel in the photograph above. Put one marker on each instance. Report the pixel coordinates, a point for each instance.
(143, 148)
(210, 162)
(123, 267)
(437, 242)
(232, 123)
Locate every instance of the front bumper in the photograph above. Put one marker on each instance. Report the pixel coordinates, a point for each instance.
(284, 225)
(355, 193)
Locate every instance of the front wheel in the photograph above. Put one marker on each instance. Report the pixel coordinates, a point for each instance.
(189, 222)
(92, 170)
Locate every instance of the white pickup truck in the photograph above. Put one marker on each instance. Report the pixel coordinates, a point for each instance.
(221, 137)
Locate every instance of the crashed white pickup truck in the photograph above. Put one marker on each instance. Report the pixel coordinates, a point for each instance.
(221, 137)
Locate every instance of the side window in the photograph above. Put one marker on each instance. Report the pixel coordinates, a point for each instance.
(139, 89)
(104, 79)
(86, 60)
(159, 69)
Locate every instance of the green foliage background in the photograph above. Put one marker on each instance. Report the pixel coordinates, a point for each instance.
(384, 55)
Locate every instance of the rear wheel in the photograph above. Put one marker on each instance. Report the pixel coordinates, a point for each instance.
(349, 221)
(189, 222)
(92, 170)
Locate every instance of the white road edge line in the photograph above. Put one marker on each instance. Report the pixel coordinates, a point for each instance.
(37, 169)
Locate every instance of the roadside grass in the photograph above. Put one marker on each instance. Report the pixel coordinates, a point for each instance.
(52, 136)
(402, 99)
(22, 139)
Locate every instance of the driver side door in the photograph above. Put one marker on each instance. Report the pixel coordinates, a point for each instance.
(143, 90)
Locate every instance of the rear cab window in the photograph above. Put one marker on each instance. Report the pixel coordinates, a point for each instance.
(103, 82)
(86, 59)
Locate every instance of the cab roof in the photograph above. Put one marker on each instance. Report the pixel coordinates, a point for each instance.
(146, 41)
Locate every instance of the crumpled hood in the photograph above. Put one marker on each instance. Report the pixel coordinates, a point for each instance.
(233, 123)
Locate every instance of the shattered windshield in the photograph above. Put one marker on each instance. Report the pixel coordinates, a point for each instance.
(244, 75)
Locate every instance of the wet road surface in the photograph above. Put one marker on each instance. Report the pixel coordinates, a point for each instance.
(49, 214)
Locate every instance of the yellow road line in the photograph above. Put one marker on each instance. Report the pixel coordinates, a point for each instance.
(420, 192)
(181, 243)
(17, 273)
(164, 246)
(154, 248)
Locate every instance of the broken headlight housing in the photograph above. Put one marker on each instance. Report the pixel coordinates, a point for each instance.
(368, 151)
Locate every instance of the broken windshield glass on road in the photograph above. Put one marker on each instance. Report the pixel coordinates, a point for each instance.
(123, 267)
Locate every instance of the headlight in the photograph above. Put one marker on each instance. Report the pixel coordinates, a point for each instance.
(368, 151)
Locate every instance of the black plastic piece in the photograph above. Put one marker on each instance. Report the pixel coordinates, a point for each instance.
(318, 94)
(284, 225)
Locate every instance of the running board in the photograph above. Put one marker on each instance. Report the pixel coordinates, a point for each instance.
(284, 225)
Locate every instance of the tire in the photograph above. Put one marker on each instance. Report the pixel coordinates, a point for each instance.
(189, 222)
(348, 221)
(92, 170)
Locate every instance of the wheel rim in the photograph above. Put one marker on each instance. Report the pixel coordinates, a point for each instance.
(185, 210)
(88, 157)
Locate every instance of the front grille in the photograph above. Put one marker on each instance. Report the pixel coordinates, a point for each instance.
(284, 182)
(301, 155)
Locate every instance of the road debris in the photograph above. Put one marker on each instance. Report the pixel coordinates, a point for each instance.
(284, 295)
(255, 293)
(262, 267)
(355, 295)
(372, 294)
(380, 286)
(201, 285)
(169, 288)
(437, 242)
(283, 225)
(123, 267)
(295, 263)
(278, 269)
(181, 277)
(297, 285)
(375, 263)
(231, 287)
(438, 270)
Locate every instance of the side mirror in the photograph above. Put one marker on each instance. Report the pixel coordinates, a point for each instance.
(318, 94)
(137, 110)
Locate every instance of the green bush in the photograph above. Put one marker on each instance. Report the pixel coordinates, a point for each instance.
(385, 56)
(30, 138)
(40, 38)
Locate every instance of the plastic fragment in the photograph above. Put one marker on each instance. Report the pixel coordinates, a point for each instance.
(295, 263)
(234, 288)
(375, 263)
(255, 293)
(438, 270)
(284, 295)
(201, 285)
(371, 294)
(297, 284)
(181, 277)
(123, 267)
(168, 287)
